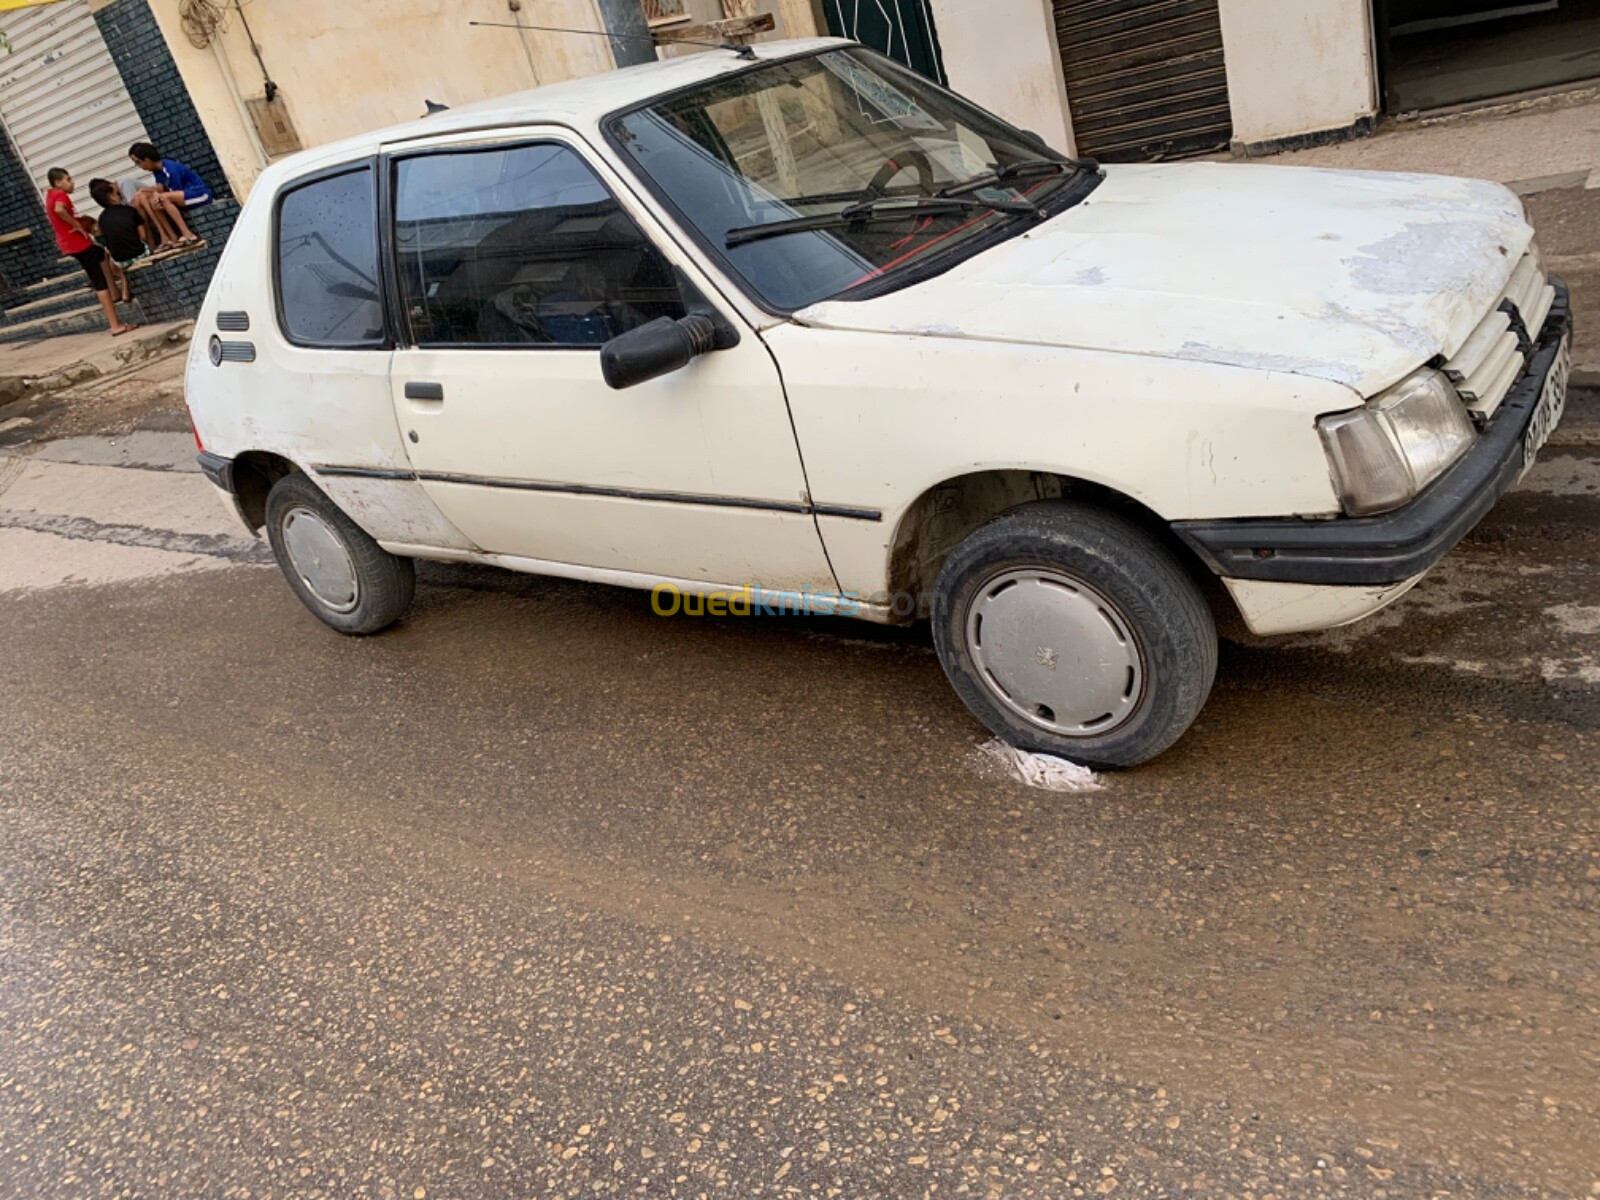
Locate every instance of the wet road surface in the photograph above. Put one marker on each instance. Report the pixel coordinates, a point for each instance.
(542, 895)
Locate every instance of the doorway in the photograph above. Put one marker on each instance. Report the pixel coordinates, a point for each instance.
(1145, 78)
(1438, 53)
(902, 29)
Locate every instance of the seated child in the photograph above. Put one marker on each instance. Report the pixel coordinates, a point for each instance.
(176, 188)
(122, 227)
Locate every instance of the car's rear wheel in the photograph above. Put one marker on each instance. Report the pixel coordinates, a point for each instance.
(349, 581)
(1069, 630)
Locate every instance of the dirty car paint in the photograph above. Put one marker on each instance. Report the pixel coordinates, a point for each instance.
(1354, 278)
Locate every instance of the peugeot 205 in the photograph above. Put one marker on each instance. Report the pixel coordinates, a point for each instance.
(798, 324)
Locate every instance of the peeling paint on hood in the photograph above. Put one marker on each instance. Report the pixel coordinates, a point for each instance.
(1356, 277)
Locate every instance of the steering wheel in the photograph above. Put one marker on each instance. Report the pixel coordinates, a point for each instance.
(915, 160)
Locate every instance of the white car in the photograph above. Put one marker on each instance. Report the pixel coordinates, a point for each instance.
(793, 329)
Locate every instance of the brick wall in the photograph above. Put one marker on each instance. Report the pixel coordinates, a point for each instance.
(171, 289)
(21, 207)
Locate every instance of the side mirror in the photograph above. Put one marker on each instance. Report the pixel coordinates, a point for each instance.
(664, 345)
(659, 348)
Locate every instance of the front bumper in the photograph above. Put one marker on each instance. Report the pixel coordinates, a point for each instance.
(1403, 544)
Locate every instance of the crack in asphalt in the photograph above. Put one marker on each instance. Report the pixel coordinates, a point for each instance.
(83, 529)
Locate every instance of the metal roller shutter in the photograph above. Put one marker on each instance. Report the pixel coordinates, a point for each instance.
(62, 100)
(1144, 77)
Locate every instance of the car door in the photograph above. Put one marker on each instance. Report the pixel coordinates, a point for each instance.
(515, 262)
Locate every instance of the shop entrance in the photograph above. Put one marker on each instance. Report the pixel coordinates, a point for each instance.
(1437, 53)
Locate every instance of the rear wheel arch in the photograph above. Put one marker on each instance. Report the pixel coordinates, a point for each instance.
(254, 474)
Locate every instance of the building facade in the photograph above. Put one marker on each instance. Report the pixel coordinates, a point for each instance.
(1140, 79)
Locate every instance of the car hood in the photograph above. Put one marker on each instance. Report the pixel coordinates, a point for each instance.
(1349, 276)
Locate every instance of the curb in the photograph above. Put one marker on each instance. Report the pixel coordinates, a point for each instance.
(116, 357)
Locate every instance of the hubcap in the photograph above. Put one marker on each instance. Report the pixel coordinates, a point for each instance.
(1056, 652)
(320, 560)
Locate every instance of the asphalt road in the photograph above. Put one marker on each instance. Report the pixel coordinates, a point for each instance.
(542, 895)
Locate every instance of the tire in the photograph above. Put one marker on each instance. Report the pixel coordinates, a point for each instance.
(364, 591)
(1069, 630)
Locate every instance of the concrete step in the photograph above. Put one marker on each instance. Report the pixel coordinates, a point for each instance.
(84, 318)
(66, 274)
(68, 301)
(60, 283)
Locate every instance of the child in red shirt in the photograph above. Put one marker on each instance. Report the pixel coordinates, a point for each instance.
(75, 242)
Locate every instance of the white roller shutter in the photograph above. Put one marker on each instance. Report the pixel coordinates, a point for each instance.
(62, 100)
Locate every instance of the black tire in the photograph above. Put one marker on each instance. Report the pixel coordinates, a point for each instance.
(384, 583)
(1152, 595)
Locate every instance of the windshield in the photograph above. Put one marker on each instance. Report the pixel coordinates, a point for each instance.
(845, 140)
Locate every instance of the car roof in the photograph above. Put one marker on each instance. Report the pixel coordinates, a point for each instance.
(579, 103)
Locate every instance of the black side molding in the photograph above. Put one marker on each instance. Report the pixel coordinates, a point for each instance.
(1396, 546)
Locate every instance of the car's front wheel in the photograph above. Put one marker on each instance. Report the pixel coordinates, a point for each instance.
(349, 581)
(1069, 630)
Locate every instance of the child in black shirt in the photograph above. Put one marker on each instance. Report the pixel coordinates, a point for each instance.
(122, 228)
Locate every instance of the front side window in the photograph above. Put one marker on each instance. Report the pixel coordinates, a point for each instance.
(815, 175)
(328, 291)
(521, 246)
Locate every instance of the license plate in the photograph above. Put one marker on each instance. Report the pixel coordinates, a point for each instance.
(1552, 403)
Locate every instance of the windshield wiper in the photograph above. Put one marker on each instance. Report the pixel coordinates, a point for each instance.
(884, 208)
(1028, 168)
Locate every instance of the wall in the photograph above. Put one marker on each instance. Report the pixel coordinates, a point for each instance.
(712, 10)
(792, 19)
(1297, 68)
(26, 261)
(1003, 55)
(344, 69)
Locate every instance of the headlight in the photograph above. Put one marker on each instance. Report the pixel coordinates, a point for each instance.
(1386, 452)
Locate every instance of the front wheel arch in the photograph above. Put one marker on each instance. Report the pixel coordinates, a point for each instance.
(948, 512)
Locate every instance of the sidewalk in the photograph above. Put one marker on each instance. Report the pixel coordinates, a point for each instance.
(89, 382)
(1553, 142)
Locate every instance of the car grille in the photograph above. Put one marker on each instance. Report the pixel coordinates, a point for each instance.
(1491, 360)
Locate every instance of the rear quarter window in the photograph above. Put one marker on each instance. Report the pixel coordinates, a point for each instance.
(327, 262)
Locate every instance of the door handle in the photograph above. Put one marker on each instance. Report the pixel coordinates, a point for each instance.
(425, 391)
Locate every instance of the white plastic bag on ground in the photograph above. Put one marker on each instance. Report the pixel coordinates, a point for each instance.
(1038, 770)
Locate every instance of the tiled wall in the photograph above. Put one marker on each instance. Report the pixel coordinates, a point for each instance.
(25, 261)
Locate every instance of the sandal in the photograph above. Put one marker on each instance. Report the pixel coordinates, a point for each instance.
(123, 330)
